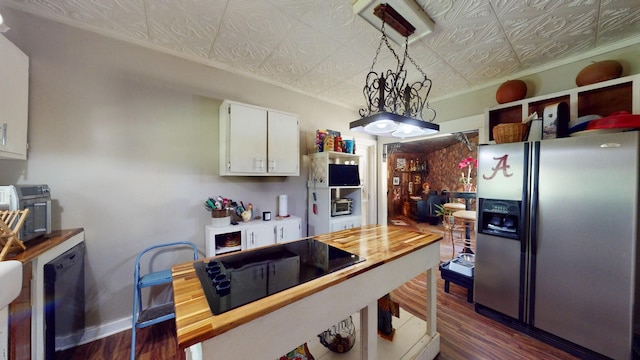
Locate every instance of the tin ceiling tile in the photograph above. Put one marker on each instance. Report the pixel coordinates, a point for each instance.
(317, 46)
(618, 19)
(125, 18)
(301, 50)
(295, 8)
(234, 50)
(189, 26)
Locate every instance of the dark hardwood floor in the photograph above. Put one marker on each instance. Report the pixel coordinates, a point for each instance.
(464, 333)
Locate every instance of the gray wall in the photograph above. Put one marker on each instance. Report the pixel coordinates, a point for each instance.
(127, 139)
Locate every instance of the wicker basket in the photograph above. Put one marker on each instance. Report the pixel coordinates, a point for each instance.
(508, 133)
(341, 337)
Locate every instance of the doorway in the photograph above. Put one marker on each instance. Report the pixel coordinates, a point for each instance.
(421, 172)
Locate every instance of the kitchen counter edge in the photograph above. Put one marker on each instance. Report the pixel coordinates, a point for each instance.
(42, 244)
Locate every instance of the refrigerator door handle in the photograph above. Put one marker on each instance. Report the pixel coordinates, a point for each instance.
(533, 216)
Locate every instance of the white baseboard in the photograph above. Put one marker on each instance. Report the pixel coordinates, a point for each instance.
(95, 333)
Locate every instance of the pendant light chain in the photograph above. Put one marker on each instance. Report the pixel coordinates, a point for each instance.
(395, 106)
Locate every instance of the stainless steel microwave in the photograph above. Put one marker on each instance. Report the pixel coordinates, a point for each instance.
(341, 207)
(36, 198)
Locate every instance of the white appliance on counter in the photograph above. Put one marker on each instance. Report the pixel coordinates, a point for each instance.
(11, 280)
(557, 244)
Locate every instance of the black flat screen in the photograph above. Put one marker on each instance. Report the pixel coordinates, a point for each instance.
(343, 175)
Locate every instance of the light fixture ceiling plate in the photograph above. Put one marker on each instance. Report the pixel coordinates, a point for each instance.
(409, 9)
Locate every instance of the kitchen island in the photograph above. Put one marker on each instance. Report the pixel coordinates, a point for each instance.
(272, 326)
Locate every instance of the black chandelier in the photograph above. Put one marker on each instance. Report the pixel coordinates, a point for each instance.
(395, 107)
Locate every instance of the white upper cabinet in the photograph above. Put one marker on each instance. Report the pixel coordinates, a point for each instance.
(258, 141)
(14, 101)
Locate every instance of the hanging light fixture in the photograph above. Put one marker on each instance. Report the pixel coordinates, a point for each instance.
(3, 26)
(395, 107)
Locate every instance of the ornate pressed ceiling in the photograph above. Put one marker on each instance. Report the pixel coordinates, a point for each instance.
(323, 49)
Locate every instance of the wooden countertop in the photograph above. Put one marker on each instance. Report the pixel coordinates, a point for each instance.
(40, 245)
(377, 244)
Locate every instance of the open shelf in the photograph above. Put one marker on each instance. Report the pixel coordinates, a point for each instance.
(602, 99)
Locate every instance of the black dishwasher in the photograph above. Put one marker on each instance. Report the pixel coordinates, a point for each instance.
(64, 301)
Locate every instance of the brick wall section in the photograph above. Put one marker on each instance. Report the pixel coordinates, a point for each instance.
(443, 166)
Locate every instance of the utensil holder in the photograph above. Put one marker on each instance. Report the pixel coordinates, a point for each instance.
(220, 218)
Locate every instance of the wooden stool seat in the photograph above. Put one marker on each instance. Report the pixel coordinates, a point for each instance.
(454, 206)
(465, 215)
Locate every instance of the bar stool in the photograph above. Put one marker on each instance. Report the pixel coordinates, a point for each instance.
(465, 219)
(450, 225)
(143, 317)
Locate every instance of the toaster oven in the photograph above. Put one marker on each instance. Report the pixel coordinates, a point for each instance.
(341, 207)
(36, 198)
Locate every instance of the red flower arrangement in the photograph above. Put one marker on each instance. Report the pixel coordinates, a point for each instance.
(467, 163)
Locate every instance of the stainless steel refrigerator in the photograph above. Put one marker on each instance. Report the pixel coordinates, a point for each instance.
(556, 252)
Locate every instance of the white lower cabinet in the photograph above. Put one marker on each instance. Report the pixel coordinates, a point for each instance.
(260, 235)
(288, 229)
(221, 240)
(345, 222)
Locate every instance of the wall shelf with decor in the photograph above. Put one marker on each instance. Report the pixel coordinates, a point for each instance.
(604, 98)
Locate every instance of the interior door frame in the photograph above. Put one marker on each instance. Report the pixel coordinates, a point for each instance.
(367, 148)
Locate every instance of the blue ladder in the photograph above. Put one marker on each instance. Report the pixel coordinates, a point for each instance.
(159, 313)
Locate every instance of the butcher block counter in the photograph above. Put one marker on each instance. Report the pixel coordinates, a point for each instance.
(272, 326)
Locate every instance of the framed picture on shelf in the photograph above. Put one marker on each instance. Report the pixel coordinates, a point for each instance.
(396, 180)
(401, 164)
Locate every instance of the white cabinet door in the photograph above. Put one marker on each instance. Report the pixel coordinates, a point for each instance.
(345, 223)
(288, 230)
(284, 144)
(14, 87)
(260, 235)
(247, 142)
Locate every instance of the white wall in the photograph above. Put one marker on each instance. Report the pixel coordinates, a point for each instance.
(127, 139)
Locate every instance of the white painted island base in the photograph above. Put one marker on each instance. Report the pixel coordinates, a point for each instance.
(276, 333)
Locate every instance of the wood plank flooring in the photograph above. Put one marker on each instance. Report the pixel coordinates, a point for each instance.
(464, 333)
